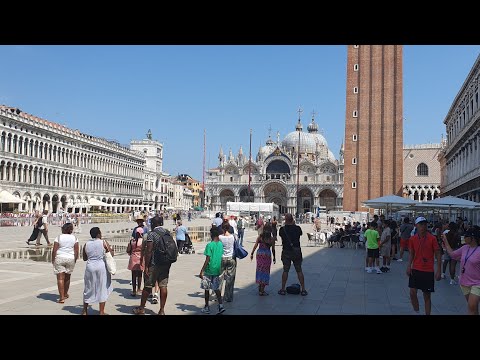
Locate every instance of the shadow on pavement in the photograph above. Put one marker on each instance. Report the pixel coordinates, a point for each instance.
(48, 296)
(122, 281)
(127, 309)
(77, 309)
(124, 292)
(188, 308)
(198, 294)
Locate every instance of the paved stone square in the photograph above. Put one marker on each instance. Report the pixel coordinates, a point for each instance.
(335, 279)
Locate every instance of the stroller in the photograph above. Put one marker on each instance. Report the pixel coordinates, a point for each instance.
(187, 246)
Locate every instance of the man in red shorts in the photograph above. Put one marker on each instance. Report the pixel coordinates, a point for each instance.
(422, 248)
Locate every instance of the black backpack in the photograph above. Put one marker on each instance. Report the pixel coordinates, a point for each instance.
(293, 289)
(165, 250)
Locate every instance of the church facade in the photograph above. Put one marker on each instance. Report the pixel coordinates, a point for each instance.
(298, 173)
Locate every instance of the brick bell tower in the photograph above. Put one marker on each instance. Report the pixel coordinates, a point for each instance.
(373, 124)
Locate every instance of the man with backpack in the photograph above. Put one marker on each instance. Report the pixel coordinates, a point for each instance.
(160, 252)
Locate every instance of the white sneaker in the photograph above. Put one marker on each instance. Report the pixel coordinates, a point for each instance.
(379, 271)
(369, 271)
(400, 260)
(453, 282)
(206, 310)
(366, 268)
(443, 276)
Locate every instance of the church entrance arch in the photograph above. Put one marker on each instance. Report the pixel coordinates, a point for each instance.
(328, 198)
(245, 196)
(304, 201)
(225, 196)
(276, 193)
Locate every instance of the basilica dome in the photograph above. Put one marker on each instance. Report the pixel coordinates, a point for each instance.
(308, 141)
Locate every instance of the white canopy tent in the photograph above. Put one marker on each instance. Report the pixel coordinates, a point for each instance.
(8, 198)
(236, 208)
(95, 202)
(447, 203)
(389, 202)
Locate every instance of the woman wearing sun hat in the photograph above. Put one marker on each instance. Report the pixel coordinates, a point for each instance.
(134, 249)
(469, 257)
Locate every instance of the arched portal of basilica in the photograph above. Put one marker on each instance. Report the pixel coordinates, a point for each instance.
(276, 193)
(275, 175)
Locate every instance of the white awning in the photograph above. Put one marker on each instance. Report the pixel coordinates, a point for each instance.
(95, 202)
(7, 198)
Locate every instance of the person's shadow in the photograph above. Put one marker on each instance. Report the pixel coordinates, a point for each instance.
(48, 296)
(190, 308)
(127, 309)
(76, 309)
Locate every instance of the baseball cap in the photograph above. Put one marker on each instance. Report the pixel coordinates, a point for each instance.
(420, 219)
(472, 233)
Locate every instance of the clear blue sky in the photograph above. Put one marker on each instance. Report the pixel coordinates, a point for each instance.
(119, 92)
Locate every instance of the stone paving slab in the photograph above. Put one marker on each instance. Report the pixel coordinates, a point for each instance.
(335, 279)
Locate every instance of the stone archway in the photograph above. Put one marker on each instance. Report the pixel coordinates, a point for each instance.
(244, 195)
(55, 203)
(328, 198)
(225, 196)
(304, 201)
(46, 202)
(276, 193)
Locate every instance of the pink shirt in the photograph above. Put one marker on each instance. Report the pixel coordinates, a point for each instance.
(471, 276)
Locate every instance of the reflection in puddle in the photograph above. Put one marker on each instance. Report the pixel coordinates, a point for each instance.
(44, 253)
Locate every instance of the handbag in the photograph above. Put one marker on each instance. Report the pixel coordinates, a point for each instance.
(238, 250)
(110, 263)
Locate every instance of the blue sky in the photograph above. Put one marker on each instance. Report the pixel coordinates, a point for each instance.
(119, 92)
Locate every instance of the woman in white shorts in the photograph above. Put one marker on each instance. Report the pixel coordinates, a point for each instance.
(64, 257)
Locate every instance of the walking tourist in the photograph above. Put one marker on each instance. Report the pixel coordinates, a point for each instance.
(229, 263)
(211, 271)
(469, 257)
(134, 249)
(291, 252)
(156, 270)
(64, 257)
(43, 228)
(97, 280)
(423, 246)
(405, 232)
(266, 248)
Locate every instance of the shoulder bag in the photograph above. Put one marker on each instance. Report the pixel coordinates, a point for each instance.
(238, 250)
(110, 262)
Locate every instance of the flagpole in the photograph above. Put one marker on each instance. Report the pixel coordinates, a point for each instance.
(250, 167)
(203, 173)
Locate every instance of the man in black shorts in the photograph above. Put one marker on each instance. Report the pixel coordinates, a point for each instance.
(423, 246)
(291, 252)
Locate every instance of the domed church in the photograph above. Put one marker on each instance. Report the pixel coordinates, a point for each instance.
(301, 160)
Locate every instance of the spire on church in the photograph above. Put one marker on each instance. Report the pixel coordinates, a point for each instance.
(299, 126)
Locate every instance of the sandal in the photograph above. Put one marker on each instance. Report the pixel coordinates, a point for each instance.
(61, 301)
(263, 293)
(282, 292)
(304, 293)
(138, 311)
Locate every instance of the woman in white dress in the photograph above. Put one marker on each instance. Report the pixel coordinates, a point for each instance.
(97, 280)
